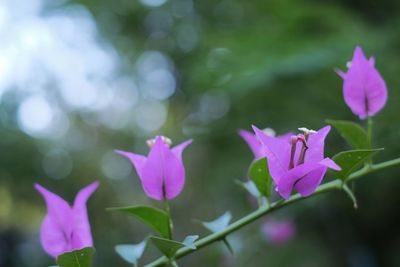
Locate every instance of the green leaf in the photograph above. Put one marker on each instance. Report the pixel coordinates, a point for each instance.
(166, 246)
(189, 241)
(352, 132)
(350, 160)
(154, 218)
(218, 224)
(170, 247)
(131, 253)
(76, 258)
(259, 174)
(250, 187)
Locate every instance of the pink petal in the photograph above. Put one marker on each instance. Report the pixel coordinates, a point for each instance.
(57, 226)
(164, 173)
(254, 144)
(53, 237)
(174, 174)
(286, 137)
(178, 150)
(327, 162)
(364, 89)
(340, 73)
(372, 61)
(277, 151)
(316, 143)
(309, 183)
(137, 160)
(153, 171)
(293, 176)
(82, 236)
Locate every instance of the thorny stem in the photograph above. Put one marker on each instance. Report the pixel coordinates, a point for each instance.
(218, 236)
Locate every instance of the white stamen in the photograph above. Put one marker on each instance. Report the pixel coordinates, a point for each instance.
(348, 64)
(307, 131)
(270, 132)
(150, 143)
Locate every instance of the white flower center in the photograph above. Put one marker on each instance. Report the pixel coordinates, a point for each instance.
(307, 131)
(150, 143)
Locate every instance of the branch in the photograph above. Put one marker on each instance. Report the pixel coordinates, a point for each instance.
(327, 187)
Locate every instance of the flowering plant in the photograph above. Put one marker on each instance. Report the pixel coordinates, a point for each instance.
(282, 165)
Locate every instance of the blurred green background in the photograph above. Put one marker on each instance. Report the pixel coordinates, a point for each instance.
(79, 79)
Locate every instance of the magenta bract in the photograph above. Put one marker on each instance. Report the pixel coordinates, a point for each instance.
(255, 145)
(162, 173)
(299, 164)
(364, 89)
(65, 228)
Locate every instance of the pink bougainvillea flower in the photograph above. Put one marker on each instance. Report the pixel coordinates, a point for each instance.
(278, 232)
(364, 89)
(65, 228)
(162, 173)
(298, 164)
(255, 145)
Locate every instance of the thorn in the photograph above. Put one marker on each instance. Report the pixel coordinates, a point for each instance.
(228, 245)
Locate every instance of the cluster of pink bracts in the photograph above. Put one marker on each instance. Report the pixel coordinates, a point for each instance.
(295, 162)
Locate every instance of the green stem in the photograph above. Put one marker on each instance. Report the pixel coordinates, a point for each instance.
(327, 187)
(369, 131)
(171, 225)
(369, 138)
(351, 195)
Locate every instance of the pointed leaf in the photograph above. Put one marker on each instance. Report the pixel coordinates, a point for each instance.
(189, 241)
(250, 187)
(352, 132)
(259, 174)
(131, 253)
(352, 159)
(154, 218)
(218, 224)
(76, 258)
(170, 247)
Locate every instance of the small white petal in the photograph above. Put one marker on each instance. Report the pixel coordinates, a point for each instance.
(270, 132)
(150, 143)
(307, 131)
